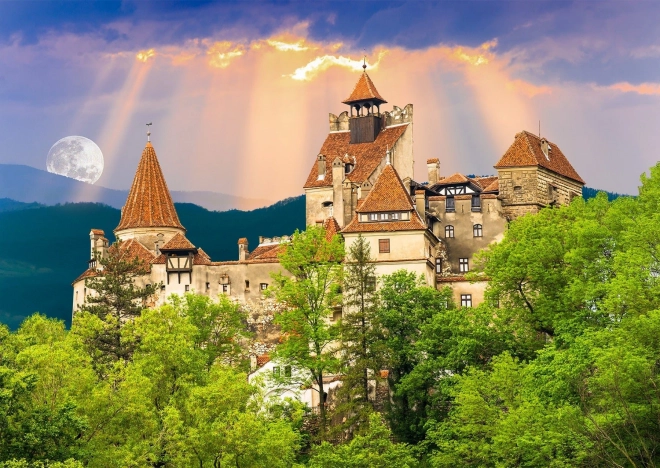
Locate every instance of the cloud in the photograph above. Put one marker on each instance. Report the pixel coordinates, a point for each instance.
(321, 64)
(223, 53)
(145, 55)
(647, 89)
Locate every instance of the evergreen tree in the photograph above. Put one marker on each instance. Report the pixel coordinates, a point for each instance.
(358, 336)
(116, 298)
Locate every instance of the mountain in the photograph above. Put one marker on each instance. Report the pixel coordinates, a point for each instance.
(28, 184)
(588, 192)
(7, 204)
(43, 249)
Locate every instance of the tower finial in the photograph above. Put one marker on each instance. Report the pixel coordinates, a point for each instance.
(364, 61)
(149, 132)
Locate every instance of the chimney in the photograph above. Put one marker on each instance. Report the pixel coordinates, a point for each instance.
(433, 166)
(242, 249)
(365, 188)
(98, 243)
(420, 203)
(320, 161)
(159, 242)
(338, 173)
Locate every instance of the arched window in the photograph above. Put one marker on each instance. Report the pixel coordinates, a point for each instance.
(449, 231)
(477, 230)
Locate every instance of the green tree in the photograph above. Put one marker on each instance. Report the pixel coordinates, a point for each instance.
(371, 450)
(116, 299)
(359, 337)
(308, 336)
(406, 306)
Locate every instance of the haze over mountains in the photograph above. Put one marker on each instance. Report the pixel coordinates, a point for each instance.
(28, 184)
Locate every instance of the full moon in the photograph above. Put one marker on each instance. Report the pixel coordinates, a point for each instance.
(76, 157)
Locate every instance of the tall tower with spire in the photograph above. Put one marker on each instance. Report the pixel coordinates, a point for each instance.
(356, 151)
(149, 215)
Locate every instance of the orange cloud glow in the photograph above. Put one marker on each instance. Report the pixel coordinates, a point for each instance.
(223, 53)
(320, 64)
(648, 89)
(145, 55)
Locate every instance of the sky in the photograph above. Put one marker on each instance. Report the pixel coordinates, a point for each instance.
(239, 92)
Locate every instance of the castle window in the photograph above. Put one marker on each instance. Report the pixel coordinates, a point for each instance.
(336, 314)
(477, 230)
(463, 265)
(395, 216)
(287, 371)
(476, 203)
(383, 245)
(162, 287)
(373, 216)
(208, 285)
(371, 283)
(276, 371)
(449, 231)
(383, 216)
(348, 168)
(187, 287)
(466, 300)
(225, 288)
(450, 205)
(263, 286)
(438, 265)
(247, 285)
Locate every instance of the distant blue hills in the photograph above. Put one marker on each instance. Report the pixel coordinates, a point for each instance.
(31, 185)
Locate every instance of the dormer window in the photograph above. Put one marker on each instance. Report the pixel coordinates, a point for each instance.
(373, 216)
(348, 168)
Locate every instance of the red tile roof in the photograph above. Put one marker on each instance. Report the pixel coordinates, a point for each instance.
(86, 274)
(387, 194)
(178, 242)
(149, 203)
(457, 178)
(331, 227)
(493, 187)
(264, 252)
(526, 151)
(364, 90)
(484, 182)
(432, 160)
(98, 232)
(243, 241)
(367, 155)
(414, 224)
(201, 258)
(262, 360)
(132, 249)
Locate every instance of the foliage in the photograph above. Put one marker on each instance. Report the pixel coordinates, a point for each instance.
(116, 299)
(372, 449)
(309, 297)
(358, 340)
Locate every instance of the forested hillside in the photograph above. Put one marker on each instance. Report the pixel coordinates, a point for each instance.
(43, 249)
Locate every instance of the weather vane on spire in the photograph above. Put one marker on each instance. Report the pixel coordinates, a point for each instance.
(149, 131)
(364, 58)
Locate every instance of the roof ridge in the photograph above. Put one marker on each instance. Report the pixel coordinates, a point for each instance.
(387, 194)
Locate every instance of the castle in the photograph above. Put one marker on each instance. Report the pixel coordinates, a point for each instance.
(361, 183)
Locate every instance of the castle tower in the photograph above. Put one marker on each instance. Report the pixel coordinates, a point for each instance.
(355, 152)
(534, 173)
(149, 215)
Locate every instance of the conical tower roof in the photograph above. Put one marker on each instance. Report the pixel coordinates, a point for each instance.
(364, 90)
(149, 203)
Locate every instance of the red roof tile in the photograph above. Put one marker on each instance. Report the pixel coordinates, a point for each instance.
(432, 160)
(493, 187)
(243, 241)
(262, 360)
(364, 90)
(264, 252)
(414, 224)
(526, 151)
(178, 242)
(86, 274)
(98, 232)
(201, 258)
(331, 227)
(149, 203)
(483, 182)
(132, 249)
(367, 155)
(453, 179)
(387, 194)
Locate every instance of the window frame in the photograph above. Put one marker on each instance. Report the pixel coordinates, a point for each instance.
(449, 229)
(463, 265)
(477, 230)
(438, 265)
(450, 204)
(466, 300)
(383, 246)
